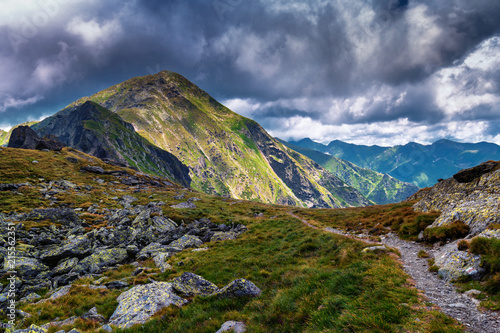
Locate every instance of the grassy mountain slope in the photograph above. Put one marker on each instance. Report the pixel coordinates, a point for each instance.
(5, 135)
(311, 281)
(377, 187)
(97, 131)
(227, 154)
(414, 163)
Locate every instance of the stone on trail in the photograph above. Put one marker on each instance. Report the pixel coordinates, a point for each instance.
(454, 263)
(139, 304)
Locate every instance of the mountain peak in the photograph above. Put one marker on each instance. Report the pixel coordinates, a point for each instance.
(226, 153)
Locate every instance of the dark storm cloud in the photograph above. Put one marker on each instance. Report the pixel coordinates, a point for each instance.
(266, 51)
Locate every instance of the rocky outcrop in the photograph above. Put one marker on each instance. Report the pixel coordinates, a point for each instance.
(468, 175)
(474, 200)
(97, 131)
(26, 138)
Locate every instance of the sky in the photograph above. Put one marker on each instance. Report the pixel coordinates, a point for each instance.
(368, 72)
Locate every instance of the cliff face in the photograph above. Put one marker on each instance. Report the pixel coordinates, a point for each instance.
(471, 196)
(97, 131)
(226, 153)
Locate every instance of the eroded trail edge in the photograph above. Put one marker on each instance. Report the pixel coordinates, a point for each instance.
(459, 306)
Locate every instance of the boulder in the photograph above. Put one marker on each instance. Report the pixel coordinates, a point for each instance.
(186, 242)
(79, 246)
(184, 205)
(25, 137)
(190, 284)
(239, 288)
(117, 284)
(222, 236)
(26, 267)
(454, 263)
(63, 291)
(100, 259)
(65, 266)
(93, 316)
(380, 248)
(152, 250)
(139, 304)
(233, 326)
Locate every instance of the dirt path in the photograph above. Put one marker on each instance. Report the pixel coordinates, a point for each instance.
(459, 306)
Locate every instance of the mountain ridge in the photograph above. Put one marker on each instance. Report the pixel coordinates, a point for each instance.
(414, 163)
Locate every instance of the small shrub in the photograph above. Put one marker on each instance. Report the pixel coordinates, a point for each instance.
(492, 286)
(463, 245)
(422, 254)
(455, 230)
(433, 268)
(479, 245)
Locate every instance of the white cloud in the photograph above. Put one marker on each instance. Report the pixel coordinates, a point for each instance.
(50, 72)
(389, 133)
(467, 85)
(12, 102)
(93, 33)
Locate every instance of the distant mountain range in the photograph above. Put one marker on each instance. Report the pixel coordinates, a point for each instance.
(379, 188)
(141, 119)
(414, 163)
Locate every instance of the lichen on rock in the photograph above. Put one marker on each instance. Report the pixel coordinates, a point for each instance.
(239, 288)
(454, 263)
(476, 203)
(139, 304)
(186, 242)
(190, 284)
